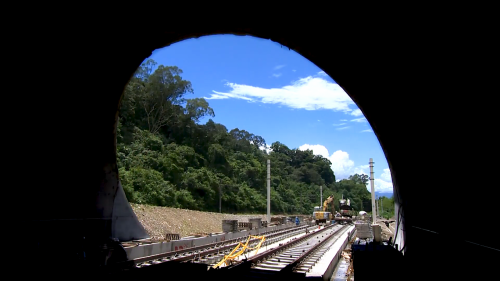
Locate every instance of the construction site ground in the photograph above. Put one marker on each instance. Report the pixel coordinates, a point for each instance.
(159, 221)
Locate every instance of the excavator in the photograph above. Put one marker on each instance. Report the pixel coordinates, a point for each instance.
(322, 215)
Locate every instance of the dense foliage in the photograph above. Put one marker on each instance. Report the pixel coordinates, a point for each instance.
(167, 158)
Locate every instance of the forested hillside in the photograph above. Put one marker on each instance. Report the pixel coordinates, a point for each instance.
(167, 158)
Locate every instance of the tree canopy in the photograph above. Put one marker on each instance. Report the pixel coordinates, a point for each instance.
(167, 158)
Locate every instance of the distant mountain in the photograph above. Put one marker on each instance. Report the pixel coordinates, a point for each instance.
(386, 194)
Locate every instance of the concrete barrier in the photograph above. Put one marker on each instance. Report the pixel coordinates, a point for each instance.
(239, 234)
(244, 233)
(203, 241)
(229, 225)
(256, 222)
(148, 250)
(193, 241)
(223, 237)
(181, 244)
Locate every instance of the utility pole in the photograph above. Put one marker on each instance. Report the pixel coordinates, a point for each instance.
(382, 206)
(321, 195)
(268, 191)
(378, 206)
(374, 210)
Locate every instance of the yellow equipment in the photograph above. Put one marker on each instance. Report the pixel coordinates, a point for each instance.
(229, 258)
(324, 215)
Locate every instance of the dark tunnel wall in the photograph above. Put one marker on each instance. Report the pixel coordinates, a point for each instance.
(396, 80)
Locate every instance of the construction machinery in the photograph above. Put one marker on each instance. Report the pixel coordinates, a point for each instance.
(321, 215)
(346, 210)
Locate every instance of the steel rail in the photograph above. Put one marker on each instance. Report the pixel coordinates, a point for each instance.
(293, 266)
(266, 254)
(209, 249)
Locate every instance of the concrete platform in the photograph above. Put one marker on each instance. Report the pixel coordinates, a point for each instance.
(340, 272)
(324, 267)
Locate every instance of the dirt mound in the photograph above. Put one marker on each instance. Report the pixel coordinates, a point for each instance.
(158, 221)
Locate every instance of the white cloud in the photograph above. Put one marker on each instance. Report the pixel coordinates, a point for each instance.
(362, 119)
(225, 96)
(357, 112)
(266, 148)
(308, 93)
(343, 120)
(362, 170)
(367, 131)
(343, 167)
(276, 75)
(217, 97)
(294, 70)
(386, 175)
(342, 128)
(322, 73)
(381, 186)
(339, 124)
(319, 120)
(341, 164)
(317, 149)
(279, 66)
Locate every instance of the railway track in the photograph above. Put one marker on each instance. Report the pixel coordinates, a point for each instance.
(212, 253)
(292, 259)
(291, 253)
(301, 257)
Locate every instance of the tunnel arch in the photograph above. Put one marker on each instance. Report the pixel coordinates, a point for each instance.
(169, 39)
(400, 52)
(89, 208)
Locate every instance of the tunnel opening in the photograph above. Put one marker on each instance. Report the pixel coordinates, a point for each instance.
(106, 208)
(184, 163)
(366, 58)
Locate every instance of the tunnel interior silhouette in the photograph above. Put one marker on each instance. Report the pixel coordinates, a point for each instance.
(84, 199)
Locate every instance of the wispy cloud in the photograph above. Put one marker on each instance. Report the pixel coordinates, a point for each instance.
(367, 131)
(225, 96)
(322, 73)
(217, 97)
(279, 66)
(360, 120)
(276, 75)
(342, 128)
(310, 93)
(339, 124)
(357, 112)
(343, 167)
(294, 70)
(343, 120)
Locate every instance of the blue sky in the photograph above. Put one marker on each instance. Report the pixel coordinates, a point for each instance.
(259, 86)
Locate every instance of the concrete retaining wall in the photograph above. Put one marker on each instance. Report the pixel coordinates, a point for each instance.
(204, 240)
(223, 237)
(229, 225)
(181, 244)
(192, 241)
(148, 250)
